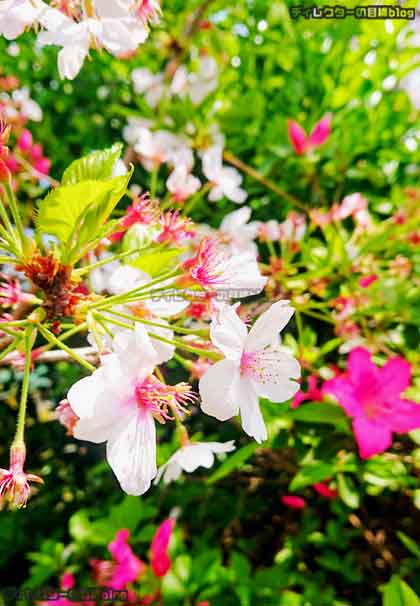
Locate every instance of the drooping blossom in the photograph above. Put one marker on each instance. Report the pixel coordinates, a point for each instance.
(371, 396)
(110, 24)
(14, 482)
(66, 416)
(292, 229)
(182, 184)
(17, 15)
(125, 567)
(159, 557)
(301, 142)
(214, 269)
(293, 501)
(269, 231)
(313, 393)
(118, 404)
(190, 457)
(238, 233)
(252, 368)
(224, 180)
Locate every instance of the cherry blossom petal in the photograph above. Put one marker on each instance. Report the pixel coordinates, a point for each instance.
(219, 390)
(131, 452)
(268, 326)
(228, 332)
(251, 416)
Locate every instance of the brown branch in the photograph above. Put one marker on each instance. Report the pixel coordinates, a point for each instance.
(57, 355)
(251, 172)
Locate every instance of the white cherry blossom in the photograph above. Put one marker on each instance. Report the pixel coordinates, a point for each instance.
(190, 457)
(252, 368)
(224, 180)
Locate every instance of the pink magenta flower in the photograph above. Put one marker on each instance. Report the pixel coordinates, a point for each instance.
(293, 501)
(301, 142)
(367, 280)
(325, 491)
(24, 142)
(313, 393)
(371, 396)
(160, 560)
(125, 567)
(14, 482)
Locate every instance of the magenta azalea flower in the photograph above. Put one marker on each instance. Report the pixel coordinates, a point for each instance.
(160, 560)
(302, 142)
(372, 397)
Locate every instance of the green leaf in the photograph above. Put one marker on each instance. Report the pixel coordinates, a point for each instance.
(74, 213)
(409, 543)
(154, 263)
(320, 413)
(347, 491)
(398, 593)
(311, 473)
(95, 166)
(80, 528)
(233, 462)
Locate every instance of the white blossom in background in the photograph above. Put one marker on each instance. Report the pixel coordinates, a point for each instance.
(182, 184)
(133, 129)
(149, 84)
(225, 180)
(205, 81)
(191, 457)
(254, 366)
(28, 107)
(119, 26)
(411, 84)
(17, 15)
(238, 233)
(162, 147)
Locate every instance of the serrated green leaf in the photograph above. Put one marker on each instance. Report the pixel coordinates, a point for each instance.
(95, 166)
(233, 462)
(74, 213)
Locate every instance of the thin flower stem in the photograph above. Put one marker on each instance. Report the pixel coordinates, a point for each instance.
(201, 352)
(174, 327)
(251, 172)
(20, 427)
(154, 182)
(8, 349)
(316, 315)
(49, 336)
(196, 198)
(87, 268)
(15, 214)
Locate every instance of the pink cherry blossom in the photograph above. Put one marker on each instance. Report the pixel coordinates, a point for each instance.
(160, 560)
(371, 396)
(301, 142)
(366, 281)
(175, 229)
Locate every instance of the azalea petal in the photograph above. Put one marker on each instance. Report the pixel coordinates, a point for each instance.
(372, 437)
(344, 391)
(251, 416)
(228, 332)
(360, 368)
(395, 376)
(320, 132)
(219, 390)
(131, 452)
(268, 325)
(405, 416)
(297, 137)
